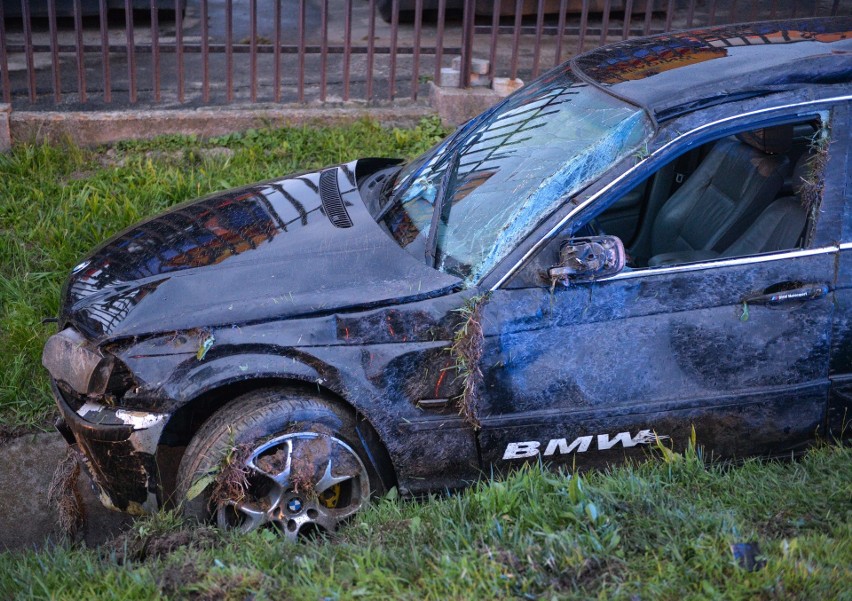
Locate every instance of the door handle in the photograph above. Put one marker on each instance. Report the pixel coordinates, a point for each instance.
(799, 293)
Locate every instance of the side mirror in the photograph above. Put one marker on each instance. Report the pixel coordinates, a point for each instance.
(585, 259)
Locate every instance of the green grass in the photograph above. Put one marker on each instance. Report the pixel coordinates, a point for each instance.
(57, 202)
(658, 530)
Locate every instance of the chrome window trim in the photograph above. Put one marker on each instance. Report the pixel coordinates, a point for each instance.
(794, 254)
(845, 246)
(555, 229)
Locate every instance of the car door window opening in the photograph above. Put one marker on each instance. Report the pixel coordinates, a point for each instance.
(753, 192)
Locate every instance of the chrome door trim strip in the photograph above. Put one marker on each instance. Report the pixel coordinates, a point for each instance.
(810, 252)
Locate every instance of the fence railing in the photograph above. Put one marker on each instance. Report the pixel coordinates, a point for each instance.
(79, 54)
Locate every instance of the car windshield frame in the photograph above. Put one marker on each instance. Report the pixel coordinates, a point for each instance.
(513, 171)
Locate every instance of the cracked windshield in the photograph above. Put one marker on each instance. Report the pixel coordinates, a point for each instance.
(515, 165)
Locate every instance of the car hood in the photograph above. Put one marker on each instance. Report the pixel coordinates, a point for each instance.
(297, 246)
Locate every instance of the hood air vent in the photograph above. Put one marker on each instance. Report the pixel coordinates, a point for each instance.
(332, 203)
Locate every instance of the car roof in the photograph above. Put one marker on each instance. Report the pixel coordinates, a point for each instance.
(675, 73)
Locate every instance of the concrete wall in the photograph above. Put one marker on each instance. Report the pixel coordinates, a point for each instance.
(92, 128)
(103, 127)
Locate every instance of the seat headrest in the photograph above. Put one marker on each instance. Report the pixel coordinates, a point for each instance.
(777, 139)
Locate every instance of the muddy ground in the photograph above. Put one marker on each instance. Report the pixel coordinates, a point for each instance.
(27, 464)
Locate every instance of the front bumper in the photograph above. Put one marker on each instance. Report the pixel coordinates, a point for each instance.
(118, 448)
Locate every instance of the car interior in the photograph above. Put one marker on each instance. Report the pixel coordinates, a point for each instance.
(736, 196)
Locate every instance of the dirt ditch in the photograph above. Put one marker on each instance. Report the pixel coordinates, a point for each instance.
(27, 520)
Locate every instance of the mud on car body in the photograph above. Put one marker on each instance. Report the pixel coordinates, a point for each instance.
(652, 237)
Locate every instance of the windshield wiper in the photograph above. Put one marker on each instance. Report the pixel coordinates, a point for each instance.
(385, 196)
(443, 192)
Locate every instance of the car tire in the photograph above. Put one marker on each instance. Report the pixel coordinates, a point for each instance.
(282, 459)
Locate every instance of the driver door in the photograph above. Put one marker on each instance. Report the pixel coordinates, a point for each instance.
(589, 373)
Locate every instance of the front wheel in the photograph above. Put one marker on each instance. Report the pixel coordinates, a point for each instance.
(271, 459)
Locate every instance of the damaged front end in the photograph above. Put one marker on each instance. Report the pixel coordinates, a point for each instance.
(162, 322)
(118, 445)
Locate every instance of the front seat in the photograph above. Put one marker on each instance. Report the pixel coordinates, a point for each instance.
(737, 180)
(780, 226)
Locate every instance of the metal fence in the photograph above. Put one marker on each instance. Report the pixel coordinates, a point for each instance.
(79, 54)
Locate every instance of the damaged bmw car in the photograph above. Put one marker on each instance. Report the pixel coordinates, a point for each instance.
(654, 236)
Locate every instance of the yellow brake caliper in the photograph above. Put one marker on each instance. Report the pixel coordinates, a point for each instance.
(331, 496)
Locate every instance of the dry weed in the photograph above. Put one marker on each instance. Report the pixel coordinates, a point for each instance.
(231, 482)
(813, 183)
(63, 493)
(467, 351)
